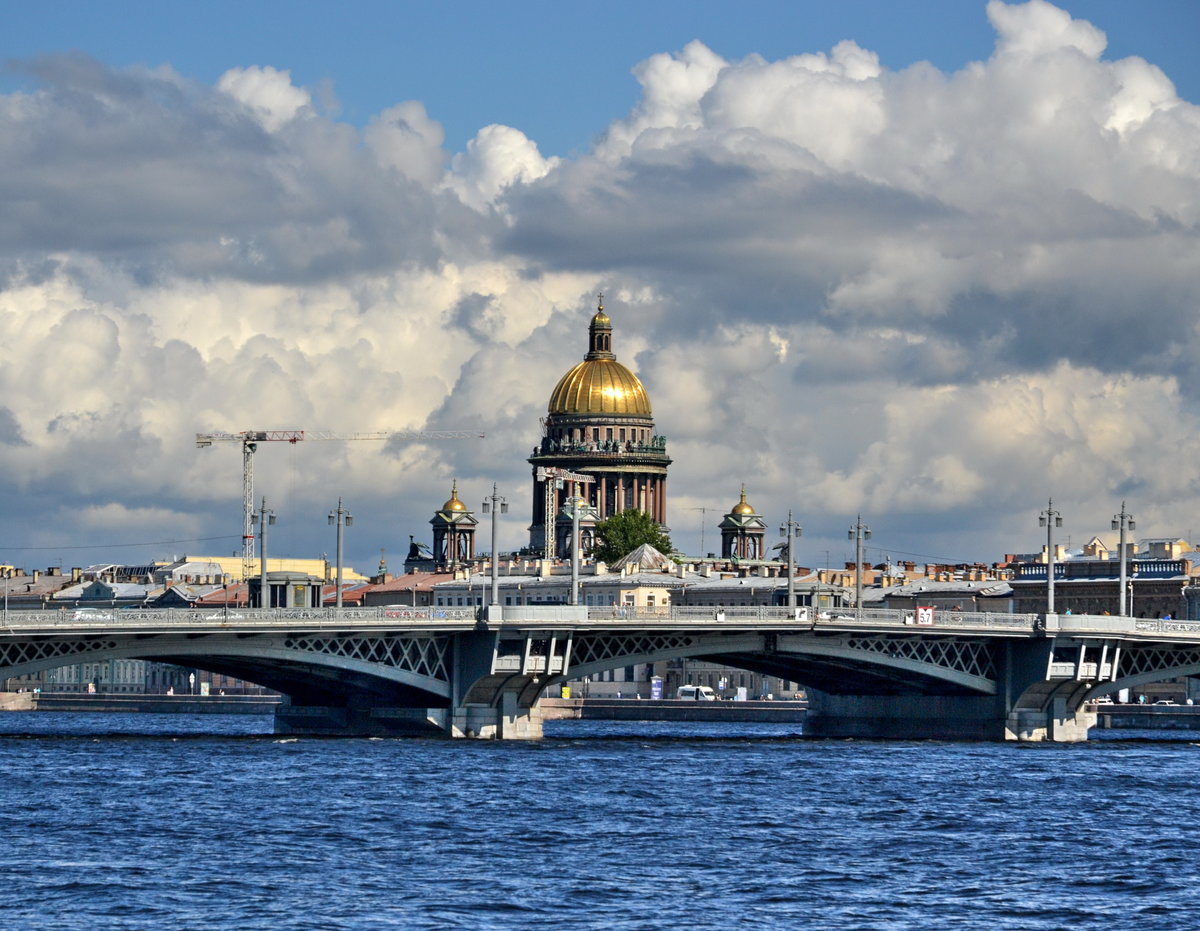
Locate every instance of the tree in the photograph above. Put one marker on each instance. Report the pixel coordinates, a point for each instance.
(625, 531)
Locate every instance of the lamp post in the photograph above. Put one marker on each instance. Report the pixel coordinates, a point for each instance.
(265, 518)
(491, 504)
(342, 518)
(791, 530)
(1050, 518)
(858, 533)
(1123, 522)
(576, 503)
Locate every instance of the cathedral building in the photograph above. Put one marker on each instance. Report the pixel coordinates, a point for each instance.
(599, 424)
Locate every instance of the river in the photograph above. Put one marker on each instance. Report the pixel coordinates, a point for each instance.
(167, 821)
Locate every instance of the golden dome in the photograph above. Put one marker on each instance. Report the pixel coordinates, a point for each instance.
(742, 507)
(600, 386)
(454, 504)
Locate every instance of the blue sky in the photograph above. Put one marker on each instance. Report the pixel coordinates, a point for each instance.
(933, 294)
(555, 70)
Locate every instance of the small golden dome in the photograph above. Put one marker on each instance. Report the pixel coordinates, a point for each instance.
(601, 318)
(454, 504)
(600, 386)
(742, 507)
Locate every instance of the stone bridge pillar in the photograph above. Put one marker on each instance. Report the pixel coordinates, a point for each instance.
(1028, 705)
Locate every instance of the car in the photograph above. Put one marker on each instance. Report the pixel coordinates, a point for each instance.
(1164, 701)
(695, 693)
(1103, 700)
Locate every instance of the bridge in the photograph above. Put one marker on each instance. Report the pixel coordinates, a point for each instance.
(479, 672)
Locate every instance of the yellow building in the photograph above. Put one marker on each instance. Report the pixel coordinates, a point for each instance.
(231, 567)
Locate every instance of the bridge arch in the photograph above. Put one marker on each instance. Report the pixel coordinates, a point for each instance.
(311, 670)
(885, 664)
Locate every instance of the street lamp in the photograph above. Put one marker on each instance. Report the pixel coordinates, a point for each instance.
(858, 533)
(342, 518)
(265, 518)
(791, 530)
(1123, 522)
(1050, 518)
(490, 505)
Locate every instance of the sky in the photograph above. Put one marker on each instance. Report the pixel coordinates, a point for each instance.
(933, 264)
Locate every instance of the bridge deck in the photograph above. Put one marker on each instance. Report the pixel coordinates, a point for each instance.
(561, 617)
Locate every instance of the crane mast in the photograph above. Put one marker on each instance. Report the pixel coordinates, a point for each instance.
(249, 440)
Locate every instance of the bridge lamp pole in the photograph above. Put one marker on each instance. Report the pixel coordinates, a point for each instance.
(791, 530)
(342, 518)
(1050, 518)
(858, 533)
(1123, 522)
(265, 518)
(491, 504)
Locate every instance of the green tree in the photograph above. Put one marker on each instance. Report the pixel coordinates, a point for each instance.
(625, 531)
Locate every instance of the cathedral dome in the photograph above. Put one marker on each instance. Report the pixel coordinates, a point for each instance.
(600, 384)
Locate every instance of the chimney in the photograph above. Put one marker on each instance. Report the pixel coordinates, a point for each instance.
(76, 574)
(37, 574)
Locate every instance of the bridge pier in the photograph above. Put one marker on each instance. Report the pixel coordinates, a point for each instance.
(904, 717)
(323, 721)
(941, 717)
(1056, 723)
(509, 721)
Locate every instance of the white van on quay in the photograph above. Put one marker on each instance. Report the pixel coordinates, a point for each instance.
(695, 693)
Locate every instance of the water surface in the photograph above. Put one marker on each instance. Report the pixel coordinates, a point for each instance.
(168, 821)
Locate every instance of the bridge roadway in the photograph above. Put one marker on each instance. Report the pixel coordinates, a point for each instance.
(470, 672)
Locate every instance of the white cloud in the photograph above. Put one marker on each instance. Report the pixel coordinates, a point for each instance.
(498, 157)
(267, 93)
(934, 298)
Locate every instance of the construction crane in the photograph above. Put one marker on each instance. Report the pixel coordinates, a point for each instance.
(249, 440)
(552, 479)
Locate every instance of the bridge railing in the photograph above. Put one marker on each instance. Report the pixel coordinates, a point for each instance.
(139, 618)
(843, 617)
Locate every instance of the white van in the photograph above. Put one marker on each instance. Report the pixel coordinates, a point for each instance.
(696, 693)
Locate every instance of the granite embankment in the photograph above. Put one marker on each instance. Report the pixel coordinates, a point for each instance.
(157, 704)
